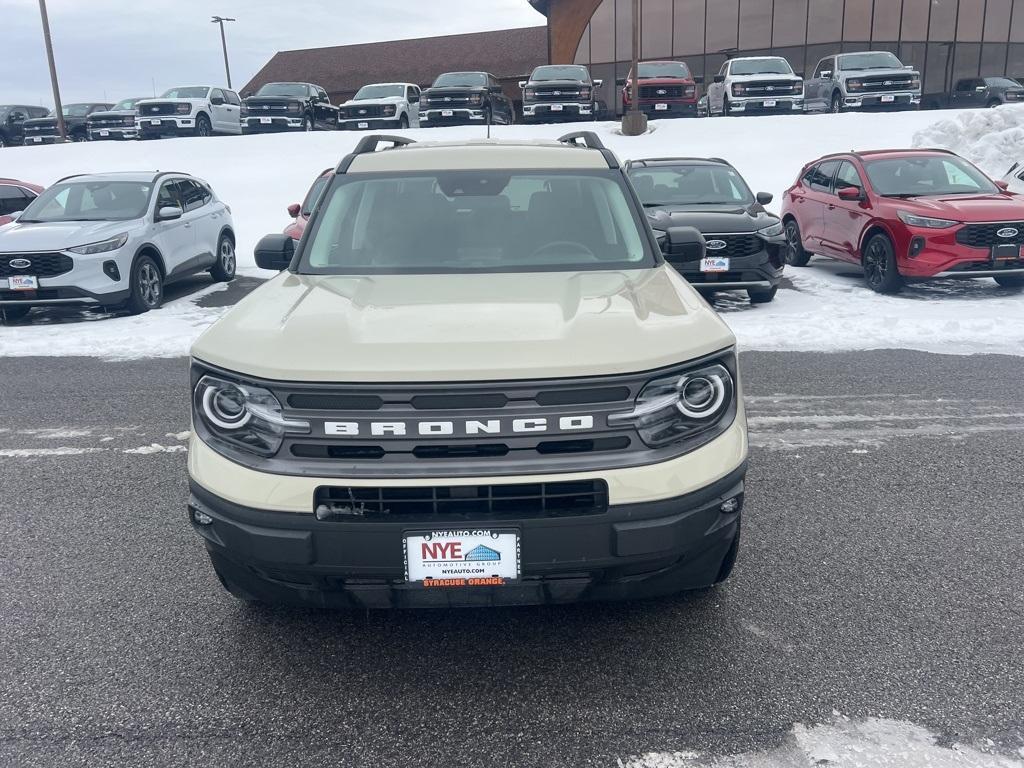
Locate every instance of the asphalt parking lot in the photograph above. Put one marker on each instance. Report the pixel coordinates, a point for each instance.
(879, 577)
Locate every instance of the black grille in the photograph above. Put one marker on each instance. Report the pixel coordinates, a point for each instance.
(736, 246)
(886, 84)
(692, 275)
(771, 88)
(441, 102)
(47, 127)
(557, 94)
(41, 264)
(985, 235)
(369, 110)
(472, 502)
(155, 110)
(114, 121)
(661, 91)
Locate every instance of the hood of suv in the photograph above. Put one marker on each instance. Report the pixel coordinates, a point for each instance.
(463, 327)
(58, 236)
(972, 208)
(720, 221)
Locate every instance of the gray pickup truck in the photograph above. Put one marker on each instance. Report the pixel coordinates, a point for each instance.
(871, 80)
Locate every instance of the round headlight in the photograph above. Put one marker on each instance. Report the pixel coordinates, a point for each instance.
(225, 407)
(701, 396)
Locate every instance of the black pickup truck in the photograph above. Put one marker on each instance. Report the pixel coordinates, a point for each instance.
(44, 130)
(977, 93)
(12, 122)
(279, 107)
(465, 98)
(559, 93)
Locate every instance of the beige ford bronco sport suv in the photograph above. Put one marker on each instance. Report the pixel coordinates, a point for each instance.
(474, 382)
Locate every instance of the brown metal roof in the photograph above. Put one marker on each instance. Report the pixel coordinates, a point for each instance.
(343, 69)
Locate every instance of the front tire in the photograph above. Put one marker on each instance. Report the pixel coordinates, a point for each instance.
(147, 290)
(307, 124)
(836, 106)
(203, 127)
(224, 270)
(994, 103)
(881, 272)
(762, 295)
(1015, 282)
(796, 256)
(13, 314)
(403, 122)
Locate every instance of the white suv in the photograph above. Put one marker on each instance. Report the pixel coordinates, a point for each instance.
(381, 105)
(196, 110)
(113, 240)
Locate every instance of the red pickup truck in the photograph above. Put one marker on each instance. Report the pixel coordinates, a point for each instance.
(667, 89)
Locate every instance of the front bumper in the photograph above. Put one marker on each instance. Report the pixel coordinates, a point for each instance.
(664, 109)
(940, 255)
(166, 126)
(763, 106)
(554, 112)
(33, 141)
(89, 282)
(629, 551)
(762, 270)
(113, 134)
(879, 101)
(432, 117)
(368, 124)
(252, 125)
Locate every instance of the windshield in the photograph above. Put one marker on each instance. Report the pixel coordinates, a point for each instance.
(295, 90)
(456, 79)
(879, 60)
(674, 69)
(75, 110)
(379, 92)
(690, 185)
(125, 104)
(1002, 82)
(761, 67)
(927, 175)
(186, 93)
(90, 201)
(540, 74)
(476, 221)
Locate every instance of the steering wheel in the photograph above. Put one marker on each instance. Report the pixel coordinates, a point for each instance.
(579, 248)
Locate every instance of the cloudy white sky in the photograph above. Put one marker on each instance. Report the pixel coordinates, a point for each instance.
(112, 49)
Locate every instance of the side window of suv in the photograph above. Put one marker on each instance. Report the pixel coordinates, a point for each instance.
(822, 179)
(216, 93)
(321, 94)
(825, 65)
(232, 98)
(848, 177)
(12, 199)
(192, 194)
(168, 197)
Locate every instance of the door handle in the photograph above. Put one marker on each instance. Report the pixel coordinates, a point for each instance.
(831, 206)
(188, 226)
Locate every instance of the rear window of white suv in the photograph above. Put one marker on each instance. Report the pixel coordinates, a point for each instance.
(476, 221)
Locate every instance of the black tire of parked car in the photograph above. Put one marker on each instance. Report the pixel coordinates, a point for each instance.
(881, 272)
(796, 256)
(147, 286)
(403, 121)
(223, 270)
(762, 295)
(3, 141)
(1011, 281)
(13, 314)
(79, 136)
(837, 103)
(203, 127)
(307, 124)
(994, 103)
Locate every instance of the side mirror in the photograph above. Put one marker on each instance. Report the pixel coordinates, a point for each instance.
(414, 100)
(598, 83)
(825, 74)
(169, 213)
(684, 242)
(495, 89)
(294, 210)
(719, 78)
(699, 80)
(850, 194)
(275, 252)
(217, 101)
(1003, 185)
(765, 197)
(909, 66)
(522, 83)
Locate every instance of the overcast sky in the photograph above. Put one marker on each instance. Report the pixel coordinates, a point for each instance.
(112, 49)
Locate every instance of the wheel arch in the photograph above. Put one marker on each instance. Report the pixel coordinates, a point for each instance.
(148, 249)
(228, 230)
(875, 228)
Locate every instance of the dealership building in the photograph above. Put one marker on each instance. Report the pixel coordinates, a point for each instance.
(947, 40)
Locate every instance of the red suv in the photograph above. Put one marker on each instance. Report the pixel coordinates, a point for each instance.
(667, 89)
(302, 212)
(905, 215)
(14, 198)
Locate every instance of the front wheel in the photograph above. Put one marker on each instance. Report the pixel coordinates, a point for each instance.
(762, 295)
(796, 256)
(881, 273)
(1010, 281)
(837, 103)
(224, 270)
(147, 290)
(307, 124)
(995, 103)
(403, 121)
(203, 127)
(76, 137)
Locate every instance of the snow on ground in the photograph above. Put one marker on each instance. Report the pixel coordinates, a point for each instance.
(843, 743)
(830, 309)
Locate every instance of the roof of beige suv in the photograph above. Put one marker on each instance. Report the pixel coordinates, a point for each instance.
(479, 154)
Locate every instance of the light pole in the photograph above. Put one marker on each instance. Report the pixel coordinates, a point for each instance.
(57, 107)
(224, 43)
(634, 122)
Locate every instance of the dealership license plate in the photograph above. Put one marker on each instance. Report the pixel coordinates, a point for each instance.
(888, 99)
(556, 107)
(364, 125)
(1006, 252)
(155, 122)
(661, 107)
(23, 283)
(265, 121)
(104, 133)
(770, 103)
(37, 139)
(447, 113)
(714, 264)
(467, 558)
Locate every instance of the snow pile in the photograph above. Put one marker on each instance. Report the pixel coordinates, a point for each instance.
(873, 743)
(992, 139)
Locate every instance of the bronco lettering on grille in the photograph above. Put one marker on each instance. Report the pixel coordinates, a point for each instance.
(448, 428)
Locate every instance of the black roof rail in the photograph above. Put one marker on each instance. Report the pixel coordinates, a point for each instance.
(645, 160)
(590, 140)
(369, 144)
